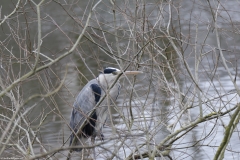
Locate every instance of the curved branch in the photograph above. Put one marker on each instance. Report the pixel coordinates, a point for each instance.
(193, 124)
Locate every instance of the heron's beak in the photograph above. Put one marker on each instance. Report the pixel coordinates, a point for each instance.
(132, 72)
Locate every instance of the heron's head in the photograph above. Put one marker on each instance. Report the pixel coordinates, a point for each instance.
(110, 74)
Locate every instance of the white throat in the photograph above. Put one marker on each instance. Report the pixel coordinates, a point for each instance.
(106, 80)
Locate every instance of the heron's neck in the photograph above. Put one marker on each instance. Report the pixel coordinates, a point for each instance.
(105, 80)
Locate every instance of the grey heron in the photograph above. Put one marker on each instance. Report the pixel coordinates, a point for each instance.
(86, 101)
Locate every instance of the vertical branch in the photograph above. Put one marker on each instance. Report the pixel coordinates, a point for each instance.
(221, 54)
(134, 50)
(39, 34)
(113, 2)
(197, 61)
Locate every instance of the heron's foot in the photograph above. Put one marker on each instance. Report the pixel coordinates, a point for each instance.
(101, 137)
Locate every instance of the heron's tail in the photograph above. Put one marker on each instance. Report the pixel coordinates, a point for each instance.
(76, 143)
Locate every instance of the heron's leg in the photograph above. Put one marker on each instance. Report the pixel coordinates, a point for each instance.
(93, 139)
(101, 120)
(93, 149)
(98, 130)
